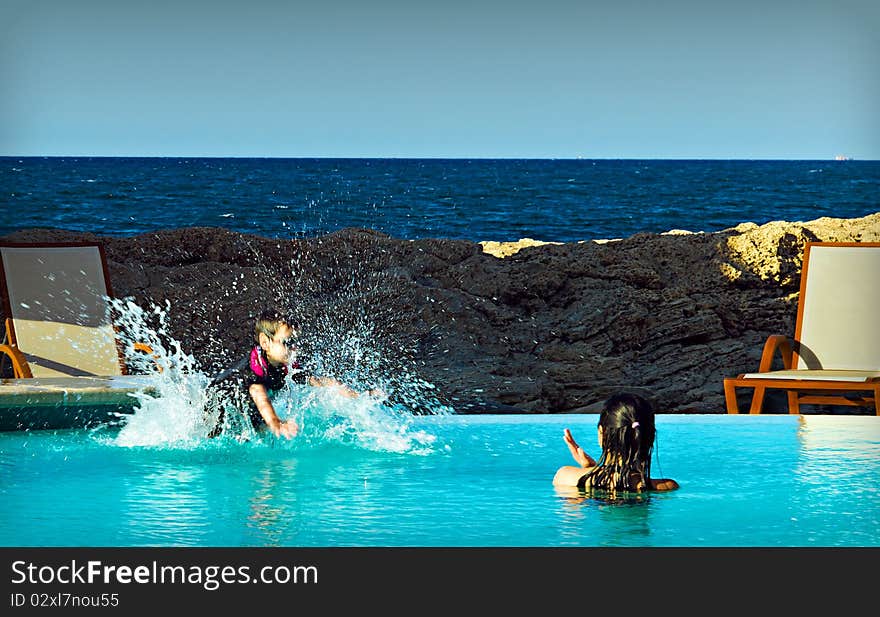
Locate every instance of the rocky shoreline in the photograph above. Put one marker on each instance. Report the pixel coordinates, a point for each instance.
(525, 327)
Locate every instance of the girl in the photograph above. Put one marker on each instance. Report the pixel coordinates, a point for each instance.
(626, 435)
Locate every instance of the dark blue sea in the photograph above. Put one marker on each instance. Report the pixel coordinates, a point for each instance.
(481, 199)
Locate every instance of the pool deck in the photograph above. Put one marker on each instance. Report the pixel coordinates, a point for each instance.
(68, 402)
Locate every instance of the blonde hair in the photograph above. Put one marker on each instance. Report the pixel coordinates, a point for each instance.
(269, 322)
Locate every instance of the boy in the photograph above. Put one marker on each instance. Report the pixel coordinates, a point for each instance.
(263, 372)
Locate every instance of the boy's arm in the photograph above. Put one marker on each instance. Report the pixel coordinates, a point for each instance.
(329, 382)
(279, 428)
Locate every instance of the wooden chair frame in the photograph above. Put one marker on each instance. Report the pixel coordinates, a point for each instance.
(863, 393)
(9, 347)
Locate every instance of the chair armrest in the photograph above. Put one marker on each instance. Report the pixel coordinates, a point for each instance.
(20, 366)
(143, 347)
(774, 342)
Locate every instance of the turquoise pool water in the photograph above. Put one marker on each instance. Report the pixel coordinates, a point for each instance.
(444, 481)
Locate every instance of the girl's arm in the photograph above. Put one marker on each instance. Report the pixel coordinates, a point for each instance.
(569, 475)
(580, 457)
(664, 484)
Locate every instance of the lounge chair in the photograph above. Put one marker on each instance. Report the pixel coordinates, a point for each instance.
(67, 365)
(834, 358)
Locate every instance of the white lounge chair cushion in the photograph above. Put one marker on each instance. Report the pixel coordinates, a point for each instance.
(58, 300)
(839, 328)
(817, 375)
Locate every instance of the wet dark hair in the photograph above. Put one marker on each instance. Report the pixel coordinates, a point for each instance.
(269, 320)
(628, 431)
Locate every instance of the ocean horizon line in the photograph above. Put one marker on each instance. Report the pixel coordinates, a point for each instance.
(430, 158)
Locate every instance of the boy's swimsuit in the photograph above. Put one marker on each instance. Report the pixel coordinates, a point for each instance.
(233, 384)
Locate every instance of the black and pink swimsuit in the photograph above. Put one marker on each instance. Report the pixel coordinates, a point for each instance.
(233, 384)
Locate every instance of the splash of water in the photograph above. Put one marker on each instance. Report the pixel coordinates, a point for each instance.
(325, 414)
(181, 411)
(353, 329)
(175, 412)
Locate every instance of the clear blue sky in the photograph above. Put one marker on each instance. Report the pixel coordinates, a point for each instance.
(380, 78)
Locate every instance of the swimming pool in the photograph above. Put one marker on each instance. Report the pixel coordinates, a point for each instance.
(445, 481)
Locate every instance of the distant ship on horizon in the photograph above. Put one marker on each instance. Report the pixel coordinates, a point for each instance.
(842, 157)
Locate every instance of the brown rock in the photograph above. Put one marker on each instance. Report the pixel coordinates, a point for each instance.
(548, 328)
